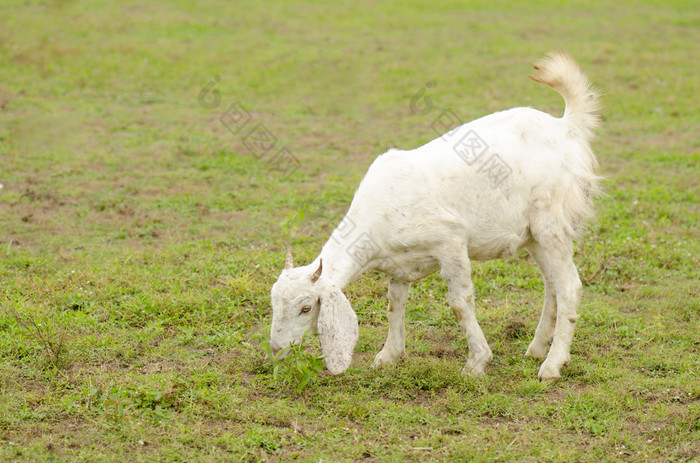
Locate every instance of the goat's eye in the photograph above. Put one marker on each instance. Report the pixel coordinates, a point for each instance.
(306, 309)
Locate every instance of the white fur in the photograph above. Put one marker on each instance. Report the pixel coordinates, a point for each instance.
(439, 206)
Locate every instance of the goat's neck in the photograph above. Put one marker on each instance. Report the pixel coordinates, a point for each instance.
(343, 260)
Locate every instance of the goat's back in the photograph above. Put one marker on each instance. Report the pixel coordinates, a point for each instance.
(489, 180)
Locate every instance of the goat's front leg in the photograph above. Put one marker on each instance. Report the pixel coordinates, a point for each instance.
(395, 345)
(460, 293)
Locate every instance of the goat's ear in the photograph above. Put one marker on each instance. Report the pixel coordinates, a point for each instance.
(337, 331)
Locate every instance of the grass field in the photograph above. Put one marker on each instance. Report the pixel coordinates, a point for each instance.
(141, 229)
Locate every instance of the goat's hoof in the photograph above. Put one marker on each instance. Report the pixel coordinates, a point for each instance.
(548, 373)
(476, 364)
(549, 379)
(536, 351)
(383, 358)
(471, 372)
(475, 367)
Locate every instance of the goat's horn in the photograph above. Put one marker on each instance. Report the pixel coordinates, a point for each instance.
(317, 274)
(288, 261)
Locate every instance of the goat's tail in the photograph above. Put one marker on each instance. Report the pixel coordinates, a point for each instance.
(560, 71)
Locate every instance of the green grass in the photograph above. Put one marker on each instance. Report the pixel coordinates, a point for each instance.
(139, 237)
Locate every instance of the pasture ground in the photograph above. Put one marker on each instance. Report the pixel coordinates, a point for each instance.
(139, 236)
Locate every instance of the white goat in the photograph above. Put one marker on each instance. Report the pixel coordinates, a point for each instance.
(513, 179)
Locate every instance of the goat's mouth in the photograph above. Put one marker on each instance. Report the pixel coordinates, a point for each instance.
(278, 352)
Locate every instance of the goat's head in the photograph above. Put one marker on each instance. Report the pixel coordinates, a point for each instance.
(303, 300)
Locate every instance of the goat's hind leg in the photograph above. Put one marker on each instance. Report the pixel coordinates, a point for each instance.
(559, 257)
(395, 346)
(545, 329)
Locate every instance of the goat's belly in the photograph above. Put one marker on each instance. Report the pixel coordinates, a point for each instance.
(407, 266)
(497, 249)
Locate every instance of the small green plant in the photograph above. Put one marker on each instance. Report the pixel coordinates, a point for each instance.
(291, 223)
(124, 401)
(263, 440)
(45, 332)
(116, 402)
(297, 368)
